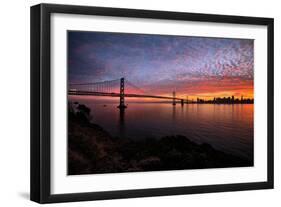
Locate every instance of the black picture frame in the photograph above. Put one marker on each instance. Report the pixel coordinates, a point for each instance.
(41, 95)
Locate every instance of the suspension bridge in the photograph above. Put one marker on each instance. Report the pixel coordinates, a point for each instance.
(116, 88)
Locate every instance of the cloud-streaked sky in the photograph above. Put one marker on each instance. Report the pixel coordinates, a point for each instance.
(159, 64)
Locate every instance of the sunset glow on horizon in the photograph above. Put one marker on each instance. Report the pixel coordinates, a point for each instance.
(160, 64)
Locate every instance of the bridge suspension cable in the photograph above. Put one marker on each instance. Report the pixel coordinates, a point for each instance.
(95, 83)
(134, 87)
(104, 86)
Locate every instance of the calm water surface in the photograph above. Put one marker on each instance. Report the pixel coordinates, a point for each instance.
(226, 127)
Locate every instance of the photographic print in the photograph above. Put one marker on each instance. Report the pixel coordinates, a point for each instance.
(146, 102)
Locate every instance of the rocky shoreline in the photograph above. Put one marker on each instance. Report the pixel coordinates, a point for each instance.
(92, 150)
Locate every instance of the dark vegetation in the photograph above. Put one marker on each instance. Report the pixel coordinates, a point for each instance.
(92, 150)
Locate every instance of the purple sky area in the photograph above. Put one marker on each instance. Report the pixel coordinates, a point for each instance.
(160, 64)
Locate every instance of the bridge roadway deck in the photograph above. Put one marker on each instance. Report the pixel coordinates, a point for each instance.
(89, 93)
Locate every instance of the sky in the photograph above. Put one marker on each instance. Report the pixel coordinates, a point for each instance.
(160, 64)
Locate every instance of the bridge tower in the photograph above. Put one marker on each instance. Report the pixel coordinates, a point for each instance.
(174, 98)
(122, 94)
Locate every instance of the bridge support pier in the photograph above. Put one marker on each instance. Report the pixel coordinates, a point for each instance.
(122, 105)
(174, 98)
(182, 103)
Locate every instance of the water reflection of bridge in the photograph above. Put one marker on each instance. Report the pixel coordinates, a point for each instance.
(108, 88)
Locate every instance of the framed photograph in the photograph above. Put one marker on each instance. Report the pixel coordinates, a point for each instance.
(133, 103)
